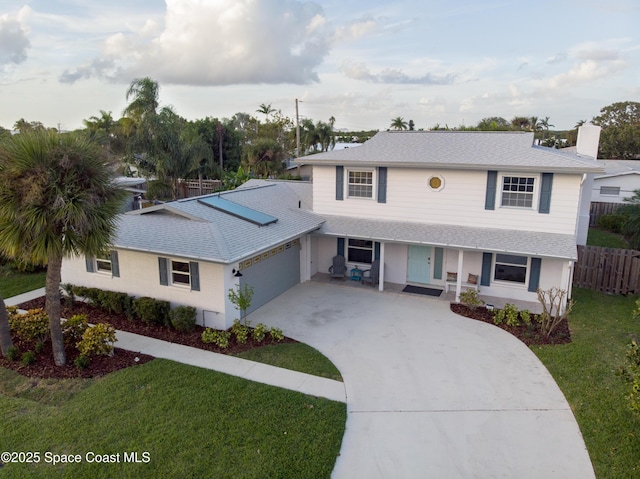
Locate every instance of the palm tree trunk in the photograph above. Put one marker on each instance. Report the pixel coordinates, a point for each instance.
(5, 334)
(53, 309)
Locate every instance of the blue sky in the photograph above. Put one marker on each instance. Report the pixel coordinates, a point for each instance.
(447, 62)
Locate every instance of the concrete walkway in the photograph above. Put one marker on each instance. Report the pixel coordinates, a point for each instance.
(431, 394)
(243, 368)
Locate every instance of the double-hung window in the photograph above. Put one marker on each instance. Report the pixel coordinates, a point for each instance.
(512, 268)
(360, 251)
(103, 263)
(180, 273)
(518, 191)
(360, 183)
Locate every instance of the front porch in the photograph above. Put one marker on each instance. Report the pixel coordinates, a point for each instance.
(396, 288)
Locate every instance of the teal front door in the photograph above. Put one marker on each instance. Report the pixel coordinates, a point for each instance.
(419, 267)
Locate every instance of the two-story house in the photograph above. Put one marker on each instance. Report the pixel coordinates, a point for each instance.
(437, 209)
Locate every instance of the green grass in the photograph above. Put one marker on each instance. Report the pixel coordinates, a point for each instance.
(193, 423)
(607, 239)
(12, 283)
(601, 328)
(295, 356)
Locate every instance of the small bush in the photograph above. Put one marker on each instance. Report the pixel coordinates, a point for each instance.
(152, 311)
(127, 307)
(276, 334)
(80, 291)
(97, 340)
(69, 297)
(217, 337)
(498, 316)
(39, 347)
(525, 316)
(630, 373)
(32, 326)
(74, 327)
(82, 362)
(611, 222)
(13, 353)
(112, 301)
(259, 332)
(240, 331)
(27, 358)
(183, 318)
(470, 299)
(511, 314)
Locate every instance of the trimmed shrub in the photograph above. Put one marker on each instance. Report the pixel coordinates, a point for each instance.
(613, 222)
(96, 340)
(74, 327)
(183, 318)
(276, 334)
(217, 337)
(12, 353)
(82, 362)
(259, 332)
(112, 301)
(31, 326)
(511, 313)
(240, 331)
(470, 299)
(152, 311)
(27, 358)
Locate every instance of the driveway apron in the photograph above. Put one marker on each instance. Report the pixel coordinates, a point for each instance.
(431, 394)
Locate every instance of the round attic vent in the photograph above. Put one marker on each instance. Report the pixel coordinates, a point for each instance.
(436, 183)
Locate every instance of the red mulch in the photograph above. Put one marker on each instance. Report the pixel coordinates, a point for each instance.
(44, 366)
(530, 335)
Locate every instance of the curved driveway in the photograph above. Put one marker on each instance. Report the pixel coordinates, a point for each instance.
(431, 394)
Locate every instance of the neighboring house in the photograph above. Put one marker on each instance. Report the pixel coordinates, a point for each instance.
(619, 181)
(488, 206)
(136, 187)
(194, 251)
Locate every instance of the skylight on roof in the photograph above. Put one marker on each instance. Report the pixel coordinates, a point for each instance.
(239, 211)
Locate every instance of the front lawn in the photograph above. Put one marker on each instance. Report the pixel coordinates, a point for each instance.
(601, 330)
(13, 283)
(192, 422)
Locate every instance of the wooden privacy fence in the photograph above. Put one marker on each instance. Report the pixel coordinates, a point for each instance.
(598, 208)
(191, 188)
(609, 270)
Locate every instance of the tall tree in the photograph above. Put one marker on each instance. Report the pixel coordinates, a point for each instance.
(398, 123)
(493, 123)
(144, 95)
(266, 110)
(546, 125)
(620, 136)
(57, 198)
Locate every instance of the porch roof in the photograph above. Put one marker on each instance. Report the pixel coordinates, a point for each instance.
(529, 243)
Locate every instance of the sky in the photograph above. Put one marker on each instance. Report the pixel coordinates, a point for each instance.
(363, 62)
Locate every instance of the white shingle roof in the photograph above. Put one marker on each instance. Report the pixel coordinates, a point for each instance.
(484, 239)
(190, 229)
(457, 150)
(619, 168)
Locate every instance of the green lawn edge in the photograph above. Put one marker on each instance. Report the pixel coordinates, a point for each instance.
(602, 327)
(187, 421)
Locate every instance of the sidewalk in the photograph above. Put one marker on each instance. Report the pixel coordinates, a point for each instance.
(243, 368)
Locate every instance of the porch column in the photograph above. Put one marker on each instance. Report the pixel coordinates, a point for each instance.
(381, 276)
(459, 275)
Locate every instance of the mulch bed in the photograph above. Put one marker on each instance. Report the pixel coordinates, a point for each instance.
(530, 335)
(44, 366)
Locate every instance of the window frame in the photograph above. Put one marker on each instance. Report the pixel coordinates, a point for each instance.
(603, 187)
(348, 184)
(172, 271)
(535, 194)
(360, 248)
(105, 260)
(526, 266)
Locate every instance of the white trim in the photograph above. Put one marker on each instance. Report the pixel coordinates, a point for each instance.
(103, 259)
(504, 282)
(170, 272)
(537, 184)
(374, 183)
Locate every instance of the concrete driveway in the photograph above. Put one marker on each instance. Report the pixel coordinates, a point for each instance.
(431, 394)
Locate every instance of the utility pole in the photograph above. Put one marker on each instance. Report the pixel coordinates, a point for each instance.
(297, 136)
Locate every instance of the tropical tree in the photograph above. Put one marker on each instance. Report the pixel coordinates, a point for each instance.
(631, 226)
(24, 126)
(144, 95)
(493, 123)
(398, 123)
(57, 198)
(102, 128)
(620, 136)
(5, 333)
(266, 110)
(521, 123)
(546, 125)
(412, 125)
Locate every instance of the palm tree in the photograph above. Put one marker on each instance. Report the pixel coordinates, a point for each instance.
(266, 110)
(398, 123)
(57, 198)
(546, 125)
(5, 334)
(144, 92)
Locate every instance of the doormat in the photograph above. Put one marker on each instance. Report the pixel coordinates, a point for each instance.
(420, 290)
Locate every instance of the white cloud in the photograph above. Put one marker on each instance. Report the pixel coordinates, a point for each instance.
(359, 71)
(219, 42)
(14, 42)
(356, 29)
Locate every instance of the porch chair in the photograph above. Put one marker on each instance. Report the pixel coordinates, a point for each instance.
(339, 267)
(371, 275)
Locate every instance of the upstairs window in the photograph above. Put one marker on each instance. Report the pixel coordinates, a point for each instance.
(180, 273)
(103, 263)
(360, 184)
(518, 191)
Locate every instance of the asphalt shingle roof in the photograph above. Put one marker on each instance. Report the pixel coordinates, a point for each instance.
(483, 239)
(190, 229)
(457, 150)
